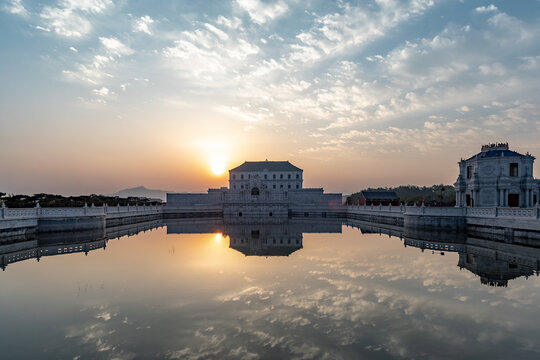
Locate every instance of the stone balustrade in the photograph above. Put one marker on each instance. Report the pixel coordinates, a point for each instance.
(40, 213)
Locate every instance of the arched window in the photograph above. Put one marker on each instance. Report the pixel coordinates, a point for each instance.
(255, 191)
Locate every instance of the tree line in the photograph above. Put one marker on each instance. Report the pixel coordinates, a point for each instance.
(52, 200)
(435, 195)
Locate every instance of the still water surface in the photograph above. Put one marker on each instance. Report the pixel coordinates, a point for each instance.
(319, 290)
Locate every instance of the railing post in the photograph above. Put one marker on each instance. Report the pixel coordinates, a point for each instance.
(37, 209)
(85, 208)
(3, 212)
(389, 207)
(105, 208)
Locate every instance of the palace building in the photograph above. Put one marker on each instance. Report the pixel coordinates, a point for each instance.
(260, 189)
(497, 176)
(272, 175)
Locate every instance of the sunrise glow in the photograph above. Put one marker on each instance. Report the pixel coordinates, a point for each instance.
(218, 167)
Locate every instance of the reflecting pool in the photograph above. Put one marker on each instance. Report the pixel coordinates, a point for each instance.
(302, 289)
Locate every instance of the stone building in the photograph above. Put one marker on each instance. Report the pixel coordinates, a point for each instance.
(378, 197)
(255, 176)
(260, 189)
(497, 176)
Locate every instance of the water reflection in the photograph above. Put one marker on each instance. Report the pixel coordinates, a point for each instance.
(36, 246)
(496, 263)
(187, 290)
(259, 239)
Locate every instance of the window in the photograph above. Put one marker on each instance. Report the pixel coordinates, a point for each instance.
(274, 186)
(255, 191)
(242, 176)
(281, 176)
(265, 176)
(289, 186)
(234, 176)
(281, 186)
(469, 172)
(234, 186)
(513, 169)
(297, 186)
(288, 176)
(241, 186)
(249, 176)
(298, 176)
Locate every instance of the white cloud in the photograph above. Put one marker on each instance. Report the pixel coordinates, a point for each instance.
(261, 12)
(208, 53)
(103, 92)
(354, 26)
(233, 23)
(116, 47)
(484, 9)
(65, 22)
(142, 24)
(73, 49)
(69, 18)
(16, 7)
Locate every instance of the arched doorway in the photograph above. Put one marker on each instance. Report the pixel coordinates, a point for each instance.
(255, 191)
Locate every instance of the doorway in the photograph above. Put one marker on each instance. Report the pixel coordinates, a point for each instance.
(513, 200)
(468, 200)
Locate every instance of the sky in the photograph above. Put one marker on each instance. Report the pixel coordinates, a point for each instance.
(101, 95)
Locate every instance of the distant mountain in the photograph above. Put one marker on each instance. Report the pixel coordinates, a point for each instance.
(141, 191)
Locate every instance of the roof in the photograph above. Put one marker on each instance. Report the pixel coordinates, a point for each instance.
(266, 165)
(378, 195)
(495, 153)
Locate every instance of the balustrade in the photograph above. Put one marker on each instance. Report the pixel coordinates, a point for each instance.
(39, 212)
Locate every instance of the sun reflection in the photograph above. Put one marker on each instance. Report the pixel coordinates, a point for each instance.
(219, 237)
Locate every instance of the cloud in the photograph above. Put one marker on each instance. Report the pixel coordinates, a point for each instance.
(69, 18)
(103, 92)
(261, 12)
(352, 27)
(142, 24)
(16, 7)
(209, 53)
(484, 9)
(116, 47)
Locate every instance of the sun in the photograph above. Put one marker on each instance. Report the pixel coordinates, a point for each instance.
(218, 167)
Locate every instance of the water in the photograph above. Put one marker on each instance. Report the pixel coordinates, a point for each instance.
(333, 292)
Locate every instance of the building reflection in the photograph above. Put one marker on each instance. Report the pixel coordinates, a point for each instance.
(264, 240)
(495, 263)
(52, 244)
(259, 239)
